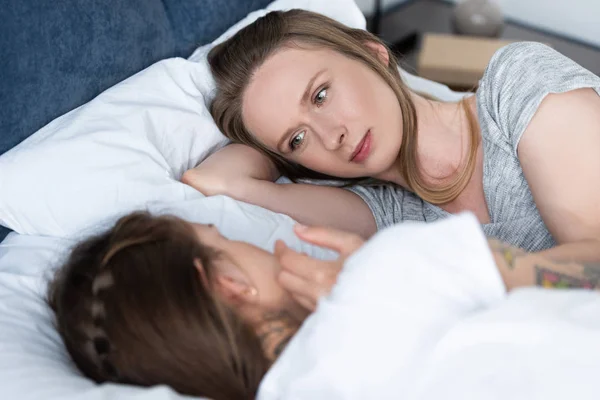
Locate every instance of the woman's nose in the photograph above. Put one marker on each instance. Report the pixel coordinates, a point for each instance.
(334, 137)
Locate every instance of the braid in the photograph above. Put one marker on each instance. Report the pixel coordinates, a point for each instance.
(100, 346)
(99, 343)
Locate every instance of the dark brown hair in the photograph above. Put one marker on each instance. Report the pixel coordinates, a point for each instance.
(234, 62)
(132, 308)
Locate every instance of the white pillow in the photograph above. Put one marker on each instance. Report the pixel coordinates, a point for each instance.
(125, 148)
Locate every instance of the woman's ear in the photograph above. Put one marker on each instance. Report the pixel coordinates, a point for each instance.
(230, 282)
(200, 269)
(380, 51)
(236, 292)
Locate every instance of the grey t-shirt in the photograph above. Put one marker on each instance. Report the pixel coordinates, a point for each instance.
(514, 84)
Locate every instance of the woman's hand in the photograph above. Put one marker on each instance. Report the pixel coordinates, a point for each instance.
(307, 278)
(227, 170)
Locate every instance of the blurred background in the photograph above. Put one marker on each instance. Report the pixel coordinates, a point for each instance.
(435, 37)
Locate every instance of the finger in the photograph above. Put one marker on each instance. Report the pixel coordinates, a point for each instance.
(303, 266)
(341, 241)
(298, 286)
(305, 302)
(280, 247)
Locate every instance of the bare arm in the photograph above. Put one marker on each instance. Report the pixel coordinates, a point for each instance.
(307, 279)
(519, 269)
(560, 156)
(245, 174)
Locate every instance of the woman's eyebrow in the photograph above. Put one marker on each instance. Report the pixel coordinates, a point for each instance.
(303, 101)
(311, 82)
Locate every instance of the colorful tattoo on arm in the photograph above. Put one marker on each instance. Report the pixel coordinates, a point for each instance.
(509, 253)
(555, 280)
(531, 268)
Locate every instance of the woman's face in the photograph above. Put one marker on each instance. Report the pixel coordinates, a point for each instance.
(258, 265)
(318, 108)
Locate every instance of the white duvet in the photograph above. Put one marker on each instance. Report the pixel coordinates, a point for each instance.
(421, 312)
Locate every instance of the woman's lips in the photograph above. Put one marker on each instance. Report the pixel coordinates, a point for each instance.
(362, 149)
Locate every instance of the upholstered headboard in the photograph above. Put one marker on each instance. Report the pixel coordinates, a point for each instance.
(59, 54)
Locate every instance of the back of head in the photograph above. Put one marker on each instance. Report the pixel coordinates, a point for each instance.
(132, 308)
(234, 62)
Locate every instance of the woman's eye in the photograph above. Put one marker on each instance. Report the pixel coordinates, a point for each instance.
(297, 141)
(321, 96)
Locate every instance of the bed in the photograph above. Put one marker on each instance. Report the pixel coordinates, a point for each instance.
(136, 120)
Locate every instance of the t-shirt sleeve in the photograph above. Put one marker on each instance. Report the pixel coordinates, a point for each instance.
(518, 78)
(385, 202)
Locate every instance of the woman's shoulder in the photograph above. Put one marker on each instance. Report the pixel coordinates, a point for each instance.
(521, 60)
(518, 52)
(516, 80)
(523, 66)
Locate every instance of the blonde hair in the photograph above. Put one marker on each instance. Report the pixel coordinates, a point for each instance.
(131, 308)
(234, 62)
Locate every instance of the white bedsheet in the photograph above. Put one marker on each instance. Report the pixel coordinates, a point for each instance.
(420, 312)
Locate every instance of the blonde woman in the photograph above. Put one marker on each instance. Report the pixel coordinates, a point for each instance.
(303, 96)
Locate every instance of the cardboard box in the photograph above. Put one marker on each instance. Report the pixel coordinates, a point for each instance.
(457, 61)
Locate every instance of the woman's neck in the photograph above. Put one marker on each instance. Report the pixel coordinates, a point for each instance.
(443, 140)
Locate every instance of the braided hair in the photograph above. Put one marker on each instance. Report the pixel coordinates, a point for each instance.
(99, 343)
(131, 308)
